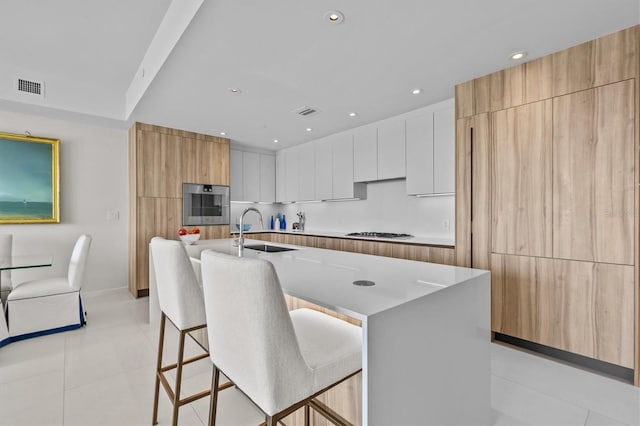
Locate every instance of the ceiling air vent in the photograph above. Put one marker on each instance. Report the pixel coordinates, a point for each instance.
(31, 86)
(306, 111)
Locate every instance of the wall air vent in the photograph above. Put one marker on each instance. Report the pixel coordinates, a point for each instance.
(305, 111)
(31, 86)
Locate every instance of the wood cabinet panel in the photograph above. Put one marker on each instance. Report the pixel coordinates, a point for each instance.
(538, 80)
(593, 185)
(481, 193)
(616, 56)
(581, 307)
(573, 69)
(464, 99)
(159, 165)
(464, 128)
(202, 161)
(521, 180)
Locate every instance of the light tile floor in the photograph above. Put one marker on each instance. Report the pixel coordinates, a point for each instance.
(103, 374)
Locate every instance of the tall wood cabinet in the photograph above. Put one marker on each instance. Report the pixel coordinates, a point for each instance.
(160, 161)
(547, 196)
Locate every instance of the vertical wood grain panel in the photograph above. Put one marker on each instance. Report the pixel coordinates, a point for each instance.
(538, 81)
(463, 191)
(507, 88)
(573, 69)
(616, 56)
(581, 307)
(464, 99)
(481, 193)
(521, 180)
(482, 93)
(593, 185)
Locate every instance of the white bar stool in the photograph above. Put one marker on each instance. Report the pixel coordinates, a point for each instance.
(280, 360)
(180, 298)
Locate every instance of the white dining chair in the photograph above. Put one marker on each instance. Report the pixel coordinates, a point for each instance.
(50, 305)
(6, 241)
(280, 360)
(181, 301)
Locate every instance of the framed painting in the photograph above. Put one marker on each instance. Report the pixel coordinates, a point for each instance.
(29, 179)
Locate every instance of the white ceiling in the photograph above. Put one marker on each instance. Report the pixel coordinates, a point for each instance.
(283, 55)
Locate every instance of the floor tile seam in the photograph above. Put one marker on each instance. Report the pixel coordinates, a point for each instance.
(32, 376)
(117, 373)
(552, 397)
(560, 398)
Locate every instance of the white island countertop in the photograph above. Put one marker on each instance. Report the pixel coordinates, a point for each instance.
(325, 277)
(425, 328)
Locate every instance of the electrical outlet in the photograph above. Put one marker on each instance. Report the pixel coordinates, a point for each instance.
(445, 224)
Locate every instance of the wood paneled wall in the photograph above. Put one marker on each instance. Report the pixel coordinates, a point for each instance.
(547, 196)
(160, 161)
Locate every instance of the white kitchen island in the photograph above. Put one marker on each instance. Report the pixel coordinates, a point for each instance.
(426, 328)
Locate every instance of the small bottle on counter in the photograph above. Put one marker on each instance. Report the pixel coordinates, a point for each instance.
(271, 223)
(277, 223)
(283, 224)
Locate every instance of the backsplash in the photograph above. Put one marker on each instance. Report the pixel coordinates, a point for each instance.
(386, 209)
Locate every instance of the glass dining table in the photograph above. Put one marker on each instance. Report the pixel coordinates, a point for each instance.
(18, 262)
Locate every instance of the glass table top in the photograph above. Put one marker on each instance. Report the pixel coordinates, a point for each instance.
(26, 261)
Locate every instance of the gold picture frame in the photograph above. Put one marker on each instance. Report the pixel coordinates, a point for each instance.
(29, 179)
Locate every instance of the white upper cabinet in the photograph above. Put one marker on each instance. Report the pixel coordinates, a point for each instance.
(343, 166)
(324, 169)
(236, 190)
(391, 149)
(444, 139)
(420, 153)
(292, 174)
(365, 154)
(281, 178)
(267, 178)
(431, 150)
(252, 176)
(307, 172)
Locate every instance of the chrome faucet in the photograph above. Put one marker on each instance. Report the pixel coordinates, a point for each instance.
(241, 237)
(300, 221)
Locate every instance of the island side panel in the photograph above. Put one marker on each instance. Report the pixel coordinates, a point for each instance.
(427, 362)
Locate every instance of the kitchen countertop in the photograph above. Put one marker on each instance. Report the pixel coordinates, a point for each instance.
(425, 328)
(419, 240)
(325, 277)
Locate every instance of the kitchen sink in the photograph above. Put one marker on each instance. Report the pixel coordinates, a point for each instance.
(268, 248)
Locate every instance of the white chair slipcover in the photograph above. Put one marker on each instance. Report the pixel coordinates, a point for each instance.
(5, 276)
(50, 305)
(180, 298)
(277, 358)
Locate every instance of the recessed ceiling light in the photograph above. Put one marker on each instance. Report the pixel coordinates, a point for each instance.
(516, 56)
(223, 133)
(275, 141)
(416, 91)
(309, 129)
(235, 90)
(334, 16)
(353, 114)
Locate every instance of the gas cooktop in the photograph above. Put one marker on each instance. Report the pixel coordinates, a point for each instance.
(378, 235)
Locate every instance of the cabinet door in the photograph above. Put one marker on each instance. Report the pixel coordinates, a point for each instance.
(281, 176)
(365, 154)
(581, 307)
(324, 169)
(236, 190)
(391, 150)
(342, 152)
(444, 134)
(159, 165)
(593, 163)
(267, 178)
(521, 180)
(292, 174)
(250, 176)
(420, 154)
(306, 172)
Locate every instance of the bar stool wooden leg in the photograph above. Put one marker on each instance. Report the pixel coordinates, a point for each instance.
(306, 415)
(176, 396)
(215, 379)
(158, 367)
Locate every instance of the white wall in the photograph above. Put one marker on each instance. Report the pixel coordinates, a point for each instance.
(386, 209)
(93, 180)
